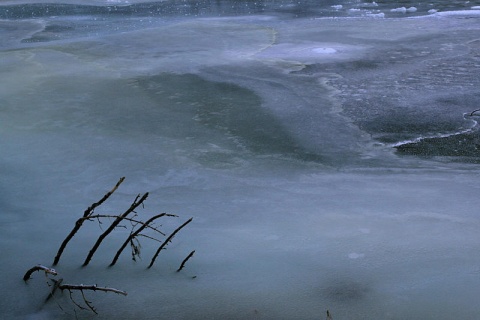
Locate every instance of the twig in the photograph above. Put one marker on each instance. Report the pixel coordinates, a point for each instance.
(119, 218)
(329, 316)
(56, 284)
(170, 237)
(88, 303)
(134, 234)
(185, 261)
(39, 267)
(71, 287)
(79, 222)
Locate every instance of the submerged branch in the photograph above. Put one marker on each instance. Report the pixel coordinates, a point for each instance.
(90, 209)
(185, 261)
(131, 220)
(39, 267)
(170, 237)
(329, 316)
(94, 287)
(114, 224)
(136, 233)
(79, 222)
(57, 284)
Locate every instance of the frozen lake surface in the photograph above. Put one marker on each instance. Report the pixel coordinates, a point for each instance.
(328, 154)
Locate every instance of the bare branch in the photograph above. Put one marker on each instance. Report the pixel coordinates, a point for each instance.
(134, 234)
(56, 284)
(170, 237)
(90, 209)
(79, 222)
(119, 218)
(90, 287)
(39, 267)
(70, 294)
(129, 219)
(185, 261)
(88, 303)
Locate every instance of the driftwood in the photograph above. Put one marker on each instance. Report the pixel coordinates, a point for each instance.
(170, 237)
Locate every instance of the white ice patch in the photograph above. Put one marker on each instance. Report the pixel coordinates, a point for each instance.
(337, 7)
(355, 255)
(459, 13)
(308, 51)
(376, 15)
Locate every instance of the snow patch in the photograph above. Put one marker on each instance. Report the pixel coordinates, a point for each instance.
(376, 15)
(404, 10)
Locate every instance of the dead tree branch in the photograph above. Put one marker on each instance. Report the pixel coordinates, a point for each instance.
(170, 237)
(79, 222)
(119, 218)
(57, 284)
(39, 267)
(98, 216)
(136, 233)
(185, 261)
(94, 287)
